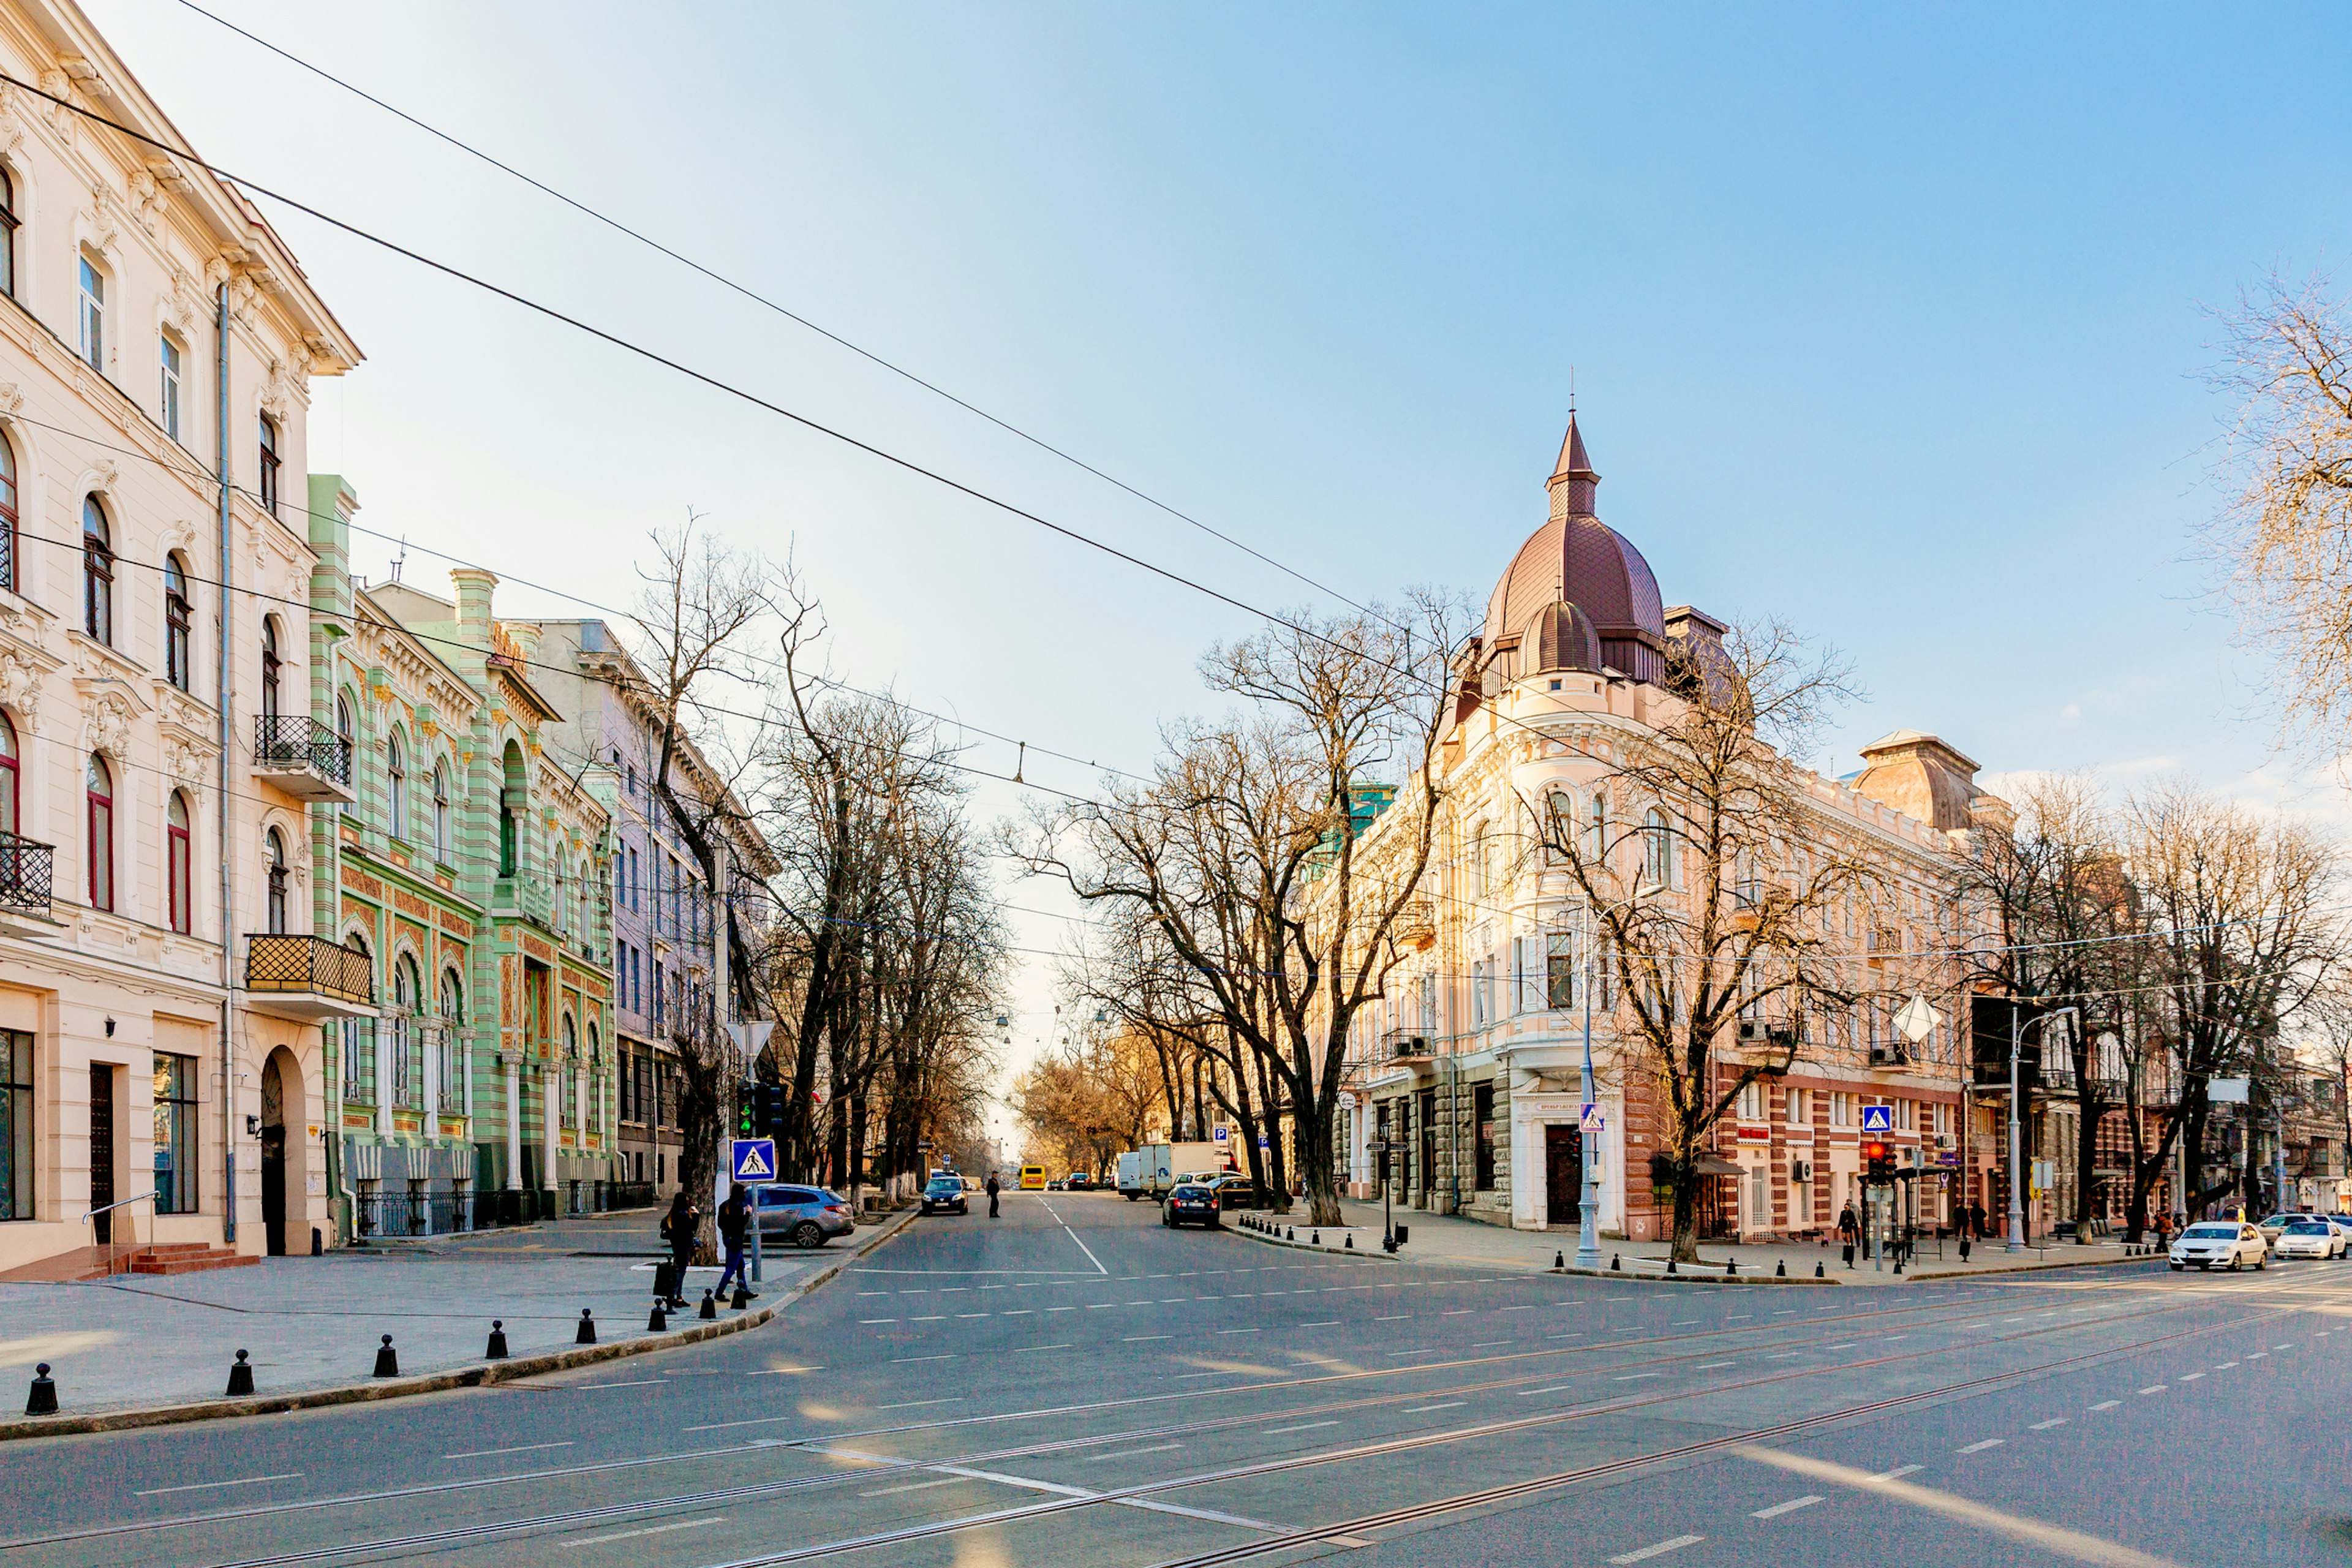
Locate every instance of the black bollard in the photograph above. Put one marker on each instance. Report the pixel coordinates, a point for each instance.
(240, 1376)
(587, 1334)
(742, 1297)
(317, 1243)
(1291, 1235)
(497, 1347)
(1560, 1260)
(658, 1322)
(1616, 1264)
(1731, 1266)
(1898, 1264)
(43, 1400)
(1817, 1272)
(1351, 1241)
(709, 1312)
(387, 1361)
(1780, 1269)
(1670, 1265)
(1317, 1238)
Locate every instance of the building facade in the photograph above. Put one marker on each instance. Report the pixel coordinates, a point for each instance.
(665, 929)
(161, 1039)
(1468, 1070)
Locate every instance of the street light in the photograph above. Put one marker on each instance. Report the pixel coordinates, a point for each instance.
(2016, 1176)
(1588, 1229)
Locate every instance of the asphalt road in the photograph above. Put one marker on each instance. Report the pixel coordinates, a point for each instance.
(1074, 1385)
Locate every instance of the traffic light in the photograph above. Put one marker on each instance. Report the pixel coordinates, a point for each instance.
(1878, 1163)
(747, 1101)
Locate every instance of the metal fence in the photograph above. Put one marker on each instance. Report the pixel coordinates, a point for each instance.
(283, 963)
(285, 741)
(27, 871)
(414, 1213)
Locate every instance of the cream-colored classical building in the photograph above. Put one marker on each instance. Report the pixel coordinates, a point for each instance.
(1470, 1066)
(161, 991)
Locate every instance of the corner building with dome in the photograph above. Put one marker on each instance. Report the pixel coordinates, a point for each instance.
(1468, 1068)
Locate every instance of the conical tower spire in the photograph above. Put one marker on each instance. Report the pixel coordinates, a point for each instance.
(1573, 480)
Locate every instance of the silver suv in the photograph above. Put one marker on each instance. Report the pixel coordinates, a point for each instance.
(805, 1216)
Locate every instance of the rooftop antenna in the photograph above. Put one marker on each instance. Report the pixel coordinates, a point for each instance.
(1571, 395)
(401, 558)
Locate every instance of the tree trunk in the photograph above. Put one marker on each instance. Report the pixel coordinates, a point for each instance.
(1316, 1157)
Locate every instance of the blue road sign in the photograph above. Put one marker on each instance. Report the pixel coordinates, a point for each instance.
(1878, 1119)
(755, 1160)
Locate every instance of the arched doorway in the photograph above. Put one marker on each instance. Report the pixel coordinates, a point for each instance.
(283, 1158)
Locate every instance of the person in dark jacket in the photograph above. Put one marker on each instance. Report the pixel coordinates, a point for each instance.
(992, 1194)
(734, 1222)
(1977, 1221)
(677, 1228)
(1849, 1232)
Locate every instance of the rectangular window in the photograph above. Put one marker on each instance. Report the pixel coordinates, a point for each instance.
(93, 316)
(176, 1134)
(1841, 1108)
(269, 464)
(1751, 1102)
(168, 406)
(1482, 1117)
(358, 1060)
(1798, 1109)
(15, 1124)
(633, 880)
(1478, 993)
(1560, 971)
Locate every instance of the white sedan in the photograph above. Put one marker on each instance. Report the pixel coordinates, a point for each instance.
(2309, 1239)
(2226, 1244)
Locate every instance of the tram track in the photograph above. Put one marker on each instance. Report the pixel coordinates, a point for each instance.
(758, 1491)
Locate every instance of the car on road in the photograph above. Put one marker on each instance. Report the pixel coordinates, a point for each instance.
(1078, 1181)
(1189, 1204)
(1054, 1185)
(2312, 1238)
(971, 1185)
(945, 1194)
(805, 1216)
(1236, 1192)
(2220, 1243)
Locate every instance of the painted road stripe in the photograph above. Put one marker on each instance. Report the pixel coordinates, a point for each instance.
(651, 1529)
(1130, 1453)
(1024, 1350)
(2154, 1388)
(1660, 1550)
(1424, 1409)
(2106, 1404)
(208, 1486)
(1636, 1376)
(1981, 1447)
(1898, 1472)
(1143, 1339)
(1791, 1506)
(863, 1321)
(2045, 1426)
(494, 1453)
(909, 1360)
(2189, 1376)
(912, 1487)
(1306, 1427)
(1711, 1365)
(919, 1404)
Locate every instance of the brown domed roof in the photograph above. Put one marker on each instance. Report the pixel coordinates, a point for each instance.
(1576, 559)
(1560, 637)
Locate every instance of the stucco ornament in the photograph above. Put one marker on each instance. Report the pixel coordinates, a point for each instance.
(20, 686)
(106, 728)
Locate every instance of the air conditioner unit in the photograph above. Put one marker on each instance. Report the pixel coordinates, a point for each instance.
(1888, 1056)
(1800, 1170)
(1751, 1031)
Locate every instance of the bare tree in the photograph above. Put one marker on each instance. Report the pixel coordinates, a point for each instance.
(1242, 850)
(2286, 538)
(1711, 887)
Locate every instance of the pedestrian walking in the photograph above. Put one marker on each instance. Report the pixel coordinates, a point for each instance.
(734, 1221)
(992, 1194)
(677, 1228)
(1849, 1232)
(1977, 1220)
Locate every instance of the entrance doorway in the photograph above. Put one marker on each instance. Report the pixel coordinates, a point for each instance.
(1564, 1174)
(273, 1156)
(101, 1148)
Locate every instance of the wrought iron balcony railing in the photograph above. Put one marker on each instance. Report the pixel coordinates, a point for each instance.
(27, 871)
(309, 973)
(303, 757)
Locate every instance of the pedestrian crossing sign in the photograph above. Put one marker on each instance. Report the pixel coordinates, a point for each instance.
(755, 1160)
(1878, 1119)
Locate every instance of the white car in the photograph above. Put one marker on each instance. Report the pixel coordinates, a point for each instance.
(2309, 1239)
(2224, 1243)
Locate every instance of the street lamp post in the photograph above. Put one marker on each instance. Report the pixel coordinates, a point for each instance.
(2016, 1176)
(1587, 1228)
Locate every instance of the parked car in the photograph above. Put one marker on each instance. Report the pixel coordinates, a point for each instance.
(945, 1194)
(2228, 1243)
(2312, 1237)
(1078, 1181)
(2272, 1227)
(805, 1216)
(1237, 1192)
(1189, 1204)
(1054, 1185)
(973, 1185)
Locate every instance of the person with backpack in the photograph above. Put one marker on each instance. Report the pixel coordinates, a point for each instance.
(677, 1228)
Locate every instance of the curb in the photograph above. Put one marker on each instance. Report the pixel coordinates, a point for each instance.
(482, 1375)
(1627, 1276)
(2039, 1268)
(1375, 1254)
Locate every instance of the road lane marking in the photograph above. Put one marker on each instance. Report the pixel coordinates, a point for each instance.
(1305, 1426)
(909, 1360)
(2154, 1388)
(1981, 1447)
(1636, 1376)
(919, 1404)
(2189, 1376)
(2045, 1426)
(2106, 1404)
(1898, 1472)
(1791, 1506)
(1326, 1323)
(640, 1383)
(1241, 1330)
(1458, 1312)
(650, 1529)
(2225, 1367)
(494, 1453)
(1142, 1339)
(912, 1487)
(1426, 1409)
(868, 1322)
(208, 1486)
(1487, 1344)
(1024, 1350)
(1711, 1365)
(1130, 1453)
(1400, 1318)
(1659, 1549)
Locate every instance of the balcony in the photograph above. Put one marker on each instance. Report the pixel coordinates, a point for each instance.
(1414, 927)
(1403, 1045)
(26, 869)
(308, 978)
(303, 757)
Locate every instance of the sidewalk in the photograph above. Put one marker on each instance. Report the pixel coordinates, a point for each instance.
(313, 1323)
(1449, 1240)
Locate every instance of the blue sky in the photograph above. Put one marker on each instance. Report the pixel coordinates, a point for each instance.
(1892, 322)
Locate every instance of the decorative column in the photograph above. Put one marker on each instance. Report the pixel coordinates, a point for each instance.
(379, 1040)
(514, 1124)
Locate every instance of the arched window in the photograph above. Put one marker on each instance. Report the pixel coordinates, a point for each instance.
(347, 730)
(269, 667)
(7, 516)
(562, 904)
(453, 1020)
(178, 649)
(1597, 850)
(1478, 863)
(7, 781)
(441, 811)
(405, 1066)
(8, 222)
(395, 771)
(274, 867)
(564, 1086)
(1657, 850)
(358, 1039)
(97, 572)
(1560, 825)
(587, 905)
(595, 1083)
(175, 862)
(99, 799)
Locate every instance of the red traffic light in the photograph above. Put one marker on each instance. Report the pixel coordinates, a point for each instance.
(1874, 1153)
